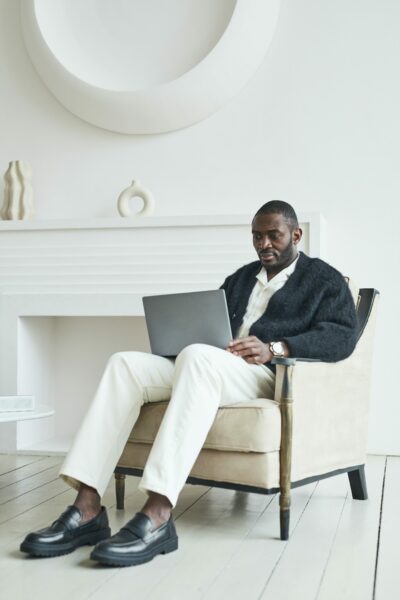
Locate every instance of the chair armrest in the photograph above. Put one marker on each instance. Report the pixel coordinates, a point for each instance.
(291, 360)
(330, 412)
(324, 408)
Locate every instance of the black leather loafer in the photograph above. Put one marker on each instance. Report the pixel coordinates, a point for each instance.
(136, 543)
(66, 534)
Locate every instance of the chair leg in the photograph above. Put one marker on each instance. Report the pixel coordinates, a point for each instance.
(285, 454)
(285, 521)
(358, 484)
(120, 490)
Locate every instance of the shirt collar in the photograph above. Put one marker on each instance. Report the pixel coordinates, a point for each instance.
(281, 276)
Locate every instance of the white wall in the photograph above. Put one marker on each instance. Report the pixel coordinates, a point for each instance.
(317, 126)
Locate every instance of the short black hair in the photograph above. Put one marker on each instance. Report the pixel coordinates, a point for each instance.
(281, 208)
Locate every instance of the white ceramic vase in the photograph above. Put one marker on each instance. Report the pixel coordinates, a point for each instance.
(133, 191)
(18, 194)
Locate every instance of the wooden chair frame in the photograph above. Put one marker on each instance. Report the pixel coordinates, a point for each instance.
(356, 473)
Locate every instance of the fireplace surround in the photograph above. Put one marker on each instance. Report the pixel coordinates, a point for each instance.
(70, 295)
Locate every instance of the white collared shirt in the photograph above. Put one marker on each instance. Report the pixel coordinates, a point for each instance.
(262, 294)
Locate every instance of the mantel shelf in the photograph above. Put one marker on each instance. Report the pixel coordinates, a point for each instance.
(126, 222)
(139, 222)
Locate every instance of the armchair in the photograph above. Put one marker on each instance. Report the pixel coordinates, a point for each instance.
(315, 427)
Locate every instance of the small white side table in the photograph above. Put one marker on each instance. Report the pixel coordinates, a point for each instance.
(23, 415)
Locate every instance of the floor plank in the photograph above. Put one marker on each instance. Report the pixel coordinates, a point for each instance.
(298, 572)
(10, 462)
(28, 484)
(28, 470)
(80, 577)
(208, 533)
(245, 573)
(229, 546)
(35, 497)
(349, 574)
(388, 569)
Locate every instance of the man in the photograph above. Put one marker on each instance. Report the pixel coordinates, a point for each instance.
(284, 304)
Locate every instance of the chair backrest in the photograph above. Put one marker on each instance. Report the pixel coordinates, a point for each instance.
(365, 304)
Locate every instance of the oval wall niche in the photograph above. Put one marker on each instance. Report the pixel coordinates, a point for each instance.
(136, 66)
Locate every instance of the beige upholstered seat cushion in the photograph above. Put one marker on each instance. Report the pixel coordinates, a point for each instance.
(254, 426)
(260, 469)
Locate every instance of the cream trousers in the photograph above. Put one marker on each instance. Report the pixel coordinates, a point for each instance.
(201, 379)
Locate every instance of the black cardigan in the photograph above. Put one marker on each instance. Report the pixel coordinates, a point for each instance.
(313, 312)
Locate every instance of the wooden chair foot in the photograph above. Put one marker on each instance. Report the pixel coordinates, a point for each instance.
(358, 484)
(120, 490)
(285, 521)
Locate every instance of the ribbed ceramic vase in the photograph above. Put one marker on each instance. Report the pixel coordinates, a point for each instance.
(18, 194)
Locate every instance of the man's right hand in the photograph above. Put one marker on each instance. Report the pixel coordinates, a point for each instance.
(251, 349)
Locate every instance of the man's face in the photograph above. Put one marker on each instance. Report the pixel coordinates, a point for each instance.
(274, 241)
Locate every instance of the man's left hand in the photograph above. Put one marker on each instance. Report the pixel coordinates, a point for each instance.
(251, 349)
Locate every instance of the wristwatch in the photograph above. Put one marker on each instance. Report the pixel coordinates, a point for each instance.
(277, 349)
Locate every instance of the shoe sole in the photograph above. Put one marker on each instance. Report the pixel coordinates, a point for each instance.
(45, 551)
(128, 561)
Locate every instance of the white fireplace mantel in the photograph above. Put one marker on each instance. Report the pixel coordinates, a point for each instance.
(70, 295)
(315, 220)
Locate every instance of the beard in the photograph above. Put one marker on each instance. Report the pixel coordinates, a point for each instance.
(283, 258)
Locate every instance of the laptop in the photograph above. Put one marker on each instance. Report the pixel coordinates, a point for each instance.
(176, 320)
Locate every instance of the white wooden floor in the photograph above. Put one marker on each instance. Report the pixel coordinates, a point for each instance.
(229, 548)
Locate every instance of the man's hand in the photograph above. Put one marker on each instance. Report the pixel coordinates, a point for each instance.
(251, 349)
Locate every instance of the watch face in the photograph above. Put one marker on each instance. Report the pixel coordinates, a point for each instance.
(277, 348)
